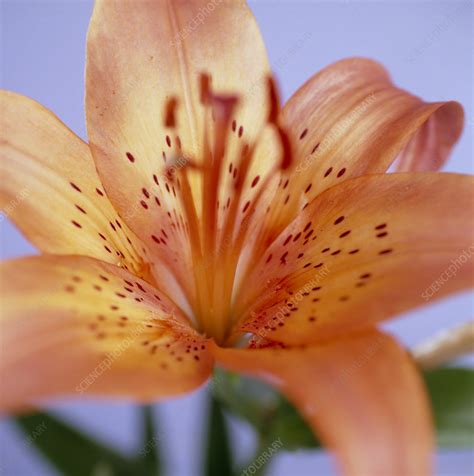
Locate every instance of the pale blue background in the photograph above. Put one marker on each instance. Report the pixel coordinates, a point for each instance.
(428, 47)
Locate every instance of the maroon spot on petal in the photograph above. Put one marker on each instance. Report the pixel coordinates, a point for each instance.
(341, 173)
(130, 157)
(385, 252)
(381, 227)
(339, 220)
(76, 224)
(342, 235)
(140, 287)
(381, 235)
(303, 134)
(328, 171)
(75, 187)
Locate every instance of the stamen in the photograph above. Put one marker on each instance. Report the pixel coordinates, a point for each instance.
(205, 87)
(287, 157)
(274, 119)
(170, 112)
(273, 99)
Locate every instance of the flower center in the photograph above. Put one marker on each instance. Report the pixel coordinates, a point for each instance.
(226, 207)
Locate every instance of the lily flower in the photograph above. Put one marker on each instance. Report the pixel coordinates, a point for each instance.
(204, 224)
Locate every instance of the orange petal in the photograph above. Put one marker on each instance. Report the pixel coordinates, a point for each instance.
(361, 394)
(50, 189)
(75, 326)
(349, 120)
(146, 115)
(365, 250)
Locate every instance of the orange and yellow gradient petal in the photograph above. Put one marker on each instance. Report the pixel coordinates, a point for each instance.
(361, 394)
(75, 326)
(365, 250)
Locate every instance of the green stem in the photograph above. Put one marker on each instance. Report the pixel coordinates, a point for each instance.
(218, 459)
(149, 457)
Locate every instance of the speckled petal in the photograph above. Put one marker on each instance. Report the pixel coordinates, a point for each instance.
(349, 120)
(74, 326)
(50, 189)
(363, 251)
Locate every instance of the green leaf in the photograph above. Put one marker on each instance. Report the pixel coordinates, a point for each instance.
(246, 398)
(268, 412)
(148, 459)
(288, 425)
(452, 396)
(70, 451)
(218, 449)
